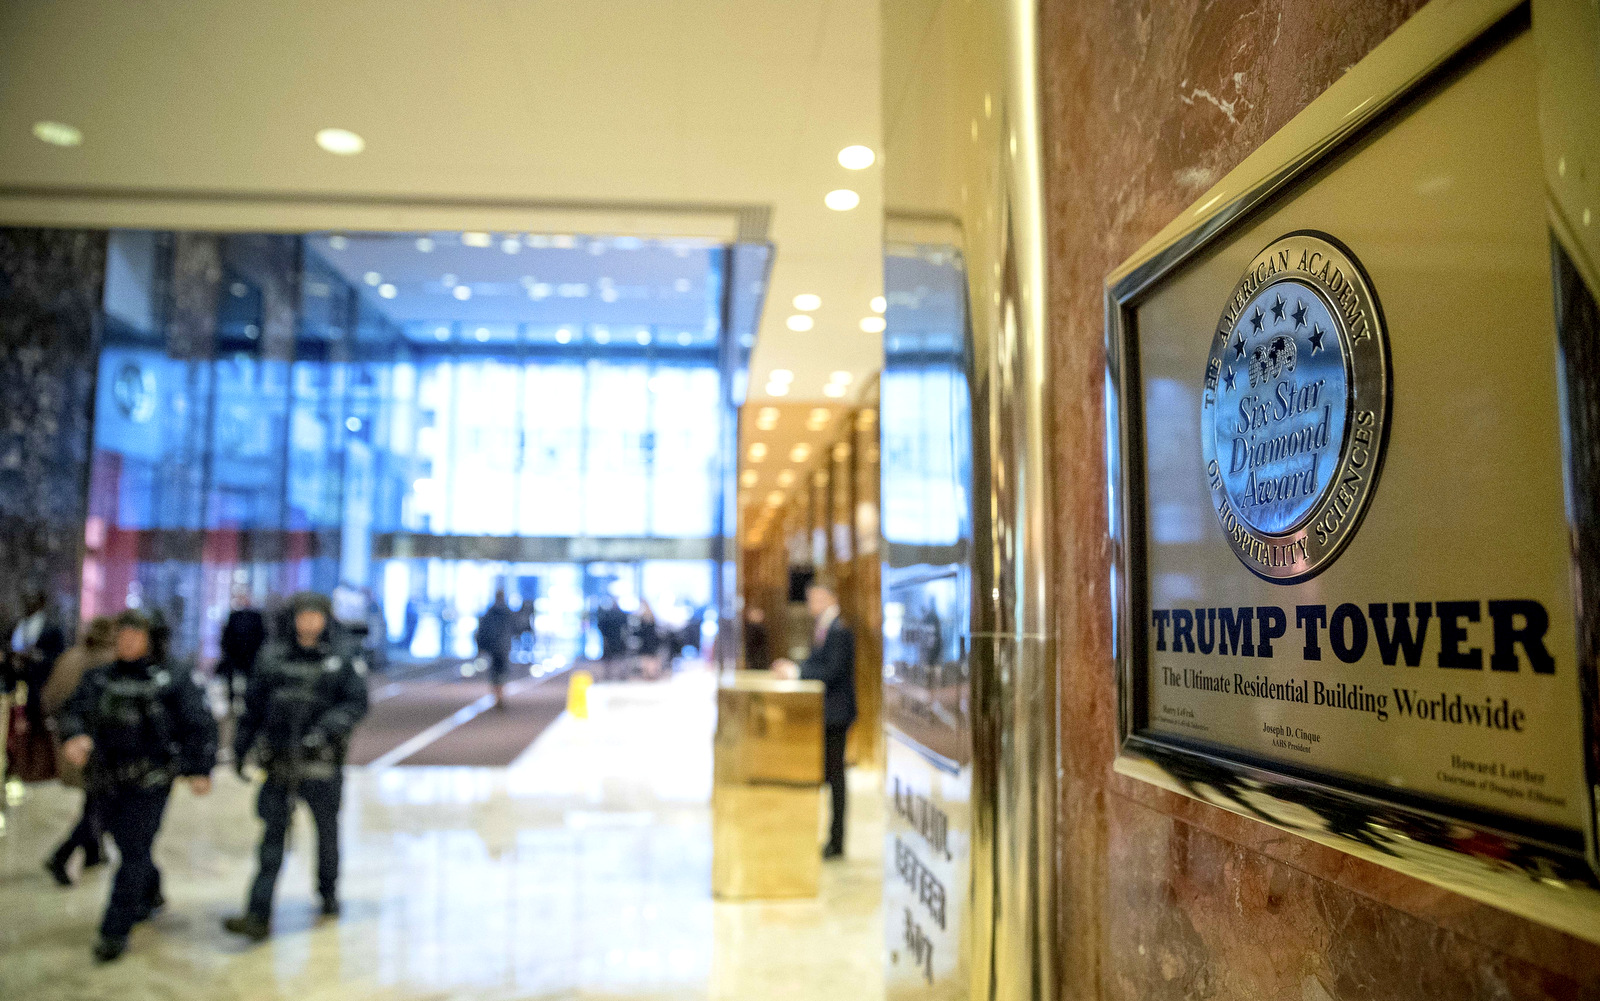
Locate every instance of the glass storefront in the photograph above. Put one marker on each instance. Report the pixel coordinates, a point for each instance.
(425, 417)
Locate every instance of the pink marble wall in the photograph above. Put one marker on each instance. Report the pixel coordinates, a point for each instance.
(1146, 104)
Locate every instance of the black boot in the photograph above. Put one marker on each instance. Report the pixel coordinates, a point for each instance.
(108, 949)
(56, 866)
(254, 928)
(330, 906)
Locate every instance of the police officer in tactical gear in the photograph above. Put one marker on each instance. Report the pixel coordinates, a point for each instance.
(135, 725)
(306, 696)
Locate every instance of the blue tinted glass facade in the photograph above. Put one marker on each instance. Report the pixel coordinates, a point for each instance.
(279, 412)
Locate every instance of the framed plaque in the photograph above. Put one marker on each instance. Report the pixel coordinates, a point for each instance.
(1341, 459)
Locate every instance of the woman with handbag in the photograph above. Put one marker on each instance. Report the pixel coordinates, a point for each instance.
(95, 649)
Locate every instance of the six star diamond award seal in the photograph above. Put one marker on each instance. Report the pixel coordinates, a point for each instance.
(1295, 414)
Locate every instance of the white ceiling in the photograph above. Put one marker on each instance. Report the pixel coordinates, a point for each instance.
(202, 114)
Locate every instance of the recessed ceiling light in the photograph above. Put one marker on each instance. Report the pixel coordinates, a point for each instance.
(57, 133)
(833, 389)
(425, 244)
(842, 200)
(758, 451)
(337, 242)
(775, 498)
(879, 304)
(644, 337)
(353, 424)
(777, 389)
(873, 324)
(441, 333)
(800, 322)
(563, 335)
(806, 302)
(340, 141)
(841, 377)
(482, 333)
(387, 290)
(856, 157)
(449, 281)
(800, 453)
(462, 292)
(602, 336)
(786, 478)
(782, 375)
(685, 338)
(539, 290)
(748, 478)
(476, 239)
(372, 278)
(511, 245)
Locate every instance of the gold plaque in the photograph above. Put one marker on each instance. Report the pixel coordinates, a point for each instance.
(1349, 533)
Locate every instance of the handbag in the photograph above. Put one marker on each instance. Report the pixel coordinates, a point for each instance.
(30, 748)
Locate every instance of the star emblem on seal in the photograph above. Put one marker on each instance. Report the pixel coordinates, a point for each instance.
(1317, 334)
(1277, 309)
(1238, 348)
(1257, 319)
(1227, 381)
(1299, 314)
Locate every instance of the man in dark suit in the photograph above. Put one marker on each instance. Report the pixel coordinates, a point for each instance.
(832, 661)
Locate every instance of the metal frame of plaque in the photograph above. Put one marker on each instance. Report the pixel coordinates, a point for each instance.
(1545, 872)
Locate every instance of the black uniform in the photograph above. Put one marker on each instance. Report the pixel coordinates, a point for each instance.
(150, 725)
(299, 709)
(833, 662)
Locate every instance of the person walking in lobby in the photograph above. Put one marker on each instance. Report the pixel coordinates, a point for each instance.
(832, 661)
(136, 724)
(305, 698)
(93, 650)
(496, 630)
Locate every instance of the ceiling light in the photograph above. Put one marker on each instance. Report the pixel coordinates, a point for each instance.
(782, 375)
(833, 389)
(337, 242)
(462, 292)
(482, 333)
(777, 389)
(758, 451)
(562, 241)
(842, 200)
(879, 304)
(57, 133)
(352, 424)
(819, 419)
(872, 324)
(800, 453)
(748, 478)
(682, 285)
(387, 290)
(425, 244)
(476, 239)
(806, 302)
(602, 336)
(539, 290)
(372, 278)
(684, 338)
(786, 478)
(775, 498)
(841, 377)
(340, 141)
(563, 335)
(856, 157)
(800, 322)
(644, 337)
(449, 281)
(511, 245)
(441, 333)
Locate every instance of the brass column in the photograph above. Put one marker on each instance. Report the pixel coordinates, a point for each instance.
(962, 155)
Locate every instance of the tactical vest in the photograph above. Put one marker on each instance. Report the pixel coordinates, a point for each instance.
(133, 734)
(295, 701)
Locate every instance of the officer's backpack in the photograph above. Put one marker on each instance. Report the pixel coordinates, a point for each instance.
(133, 723)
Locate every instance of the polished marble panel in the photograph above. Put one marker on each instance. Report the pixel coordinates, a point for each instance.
(583, 870)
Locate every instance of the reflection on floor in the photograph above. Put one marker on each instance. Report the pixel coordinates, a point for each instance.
(580, 871)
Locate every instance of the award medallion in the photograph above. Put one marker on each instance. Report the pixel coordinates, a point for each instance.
(1295, 414)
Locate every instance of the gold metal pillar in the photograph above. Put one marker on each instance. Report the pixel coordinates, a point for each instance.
(962, 163)
(766, 800)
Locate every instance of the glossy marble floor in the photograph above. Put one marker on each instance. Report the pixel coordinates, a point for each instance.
(580, 871)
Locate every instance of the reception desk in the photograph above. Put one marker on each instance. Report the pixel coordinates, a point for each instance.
(765, 804)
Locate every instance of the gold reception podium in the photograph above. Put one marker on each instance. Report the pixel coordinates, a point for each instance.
(766, 802)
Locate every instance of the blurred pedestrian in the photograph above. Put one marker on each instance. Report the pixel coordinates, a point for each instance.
(832, 661)
(308, 693)
(243, 635)
(497, 627)
(135, 725)
(95, 649)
